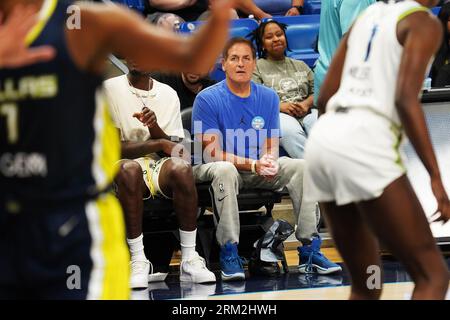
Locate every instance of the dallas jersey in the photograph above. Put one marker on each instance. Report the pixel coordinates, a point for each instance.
(372, 62)
(57, 141)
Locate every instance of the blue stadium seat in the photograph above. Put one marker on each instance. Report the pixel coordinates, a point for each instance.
(138, 5)
(238, 28)
(280, 7)
(302, 33)
(274, 7)
(312, 7)
(436, 10)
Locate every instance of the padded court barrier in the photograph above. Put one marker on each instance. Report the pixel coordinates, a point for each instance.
(302, 34)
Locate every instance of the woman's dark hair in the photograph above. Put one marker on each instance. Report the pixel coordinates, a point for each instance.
(258, 36)
(443, 53)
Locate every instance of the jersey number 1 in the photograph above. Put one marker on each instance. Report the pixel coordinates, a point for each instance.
(369, 46)
(10, 112)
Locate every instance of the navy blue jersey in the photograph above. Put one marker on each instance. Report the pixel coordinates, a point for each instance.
(57, 141)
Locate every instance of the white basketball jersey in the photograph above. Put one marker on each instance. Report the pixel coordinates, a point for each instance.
(369, 76)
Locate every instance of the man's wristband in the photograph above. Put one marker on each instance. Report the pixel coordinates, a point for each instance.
(254, 166)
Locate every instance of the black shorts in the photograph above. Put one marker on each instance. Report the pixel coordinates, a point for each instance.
(73, 252)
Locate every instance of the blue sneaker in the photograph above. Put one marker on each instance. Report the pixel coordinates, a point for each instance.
(230, 263)
(311, 260)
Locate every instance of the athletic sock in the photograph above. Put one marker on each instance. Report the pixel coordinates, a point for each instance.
(187, 242)
(137, 248)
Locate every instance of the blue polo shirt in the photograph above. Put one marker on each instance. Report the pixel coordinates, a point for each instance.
(243, 124)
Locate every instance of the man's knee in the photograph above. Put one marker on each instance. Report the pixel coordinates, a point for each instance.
(129, 176)
(225, 169)
(290, 166)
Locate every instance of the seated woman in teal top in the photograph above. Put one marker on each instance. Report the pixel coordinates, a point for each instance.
(293, 81)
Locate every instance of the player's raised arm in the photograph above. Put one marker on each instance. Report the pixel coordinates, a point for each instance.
(111, 29)
(414, 34)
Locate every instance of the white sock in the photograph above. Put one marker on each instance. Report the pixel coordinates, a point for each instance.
(187, 242)
(137, 248)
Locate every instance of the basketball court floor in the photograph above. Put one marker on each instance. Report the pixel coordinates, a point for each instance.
(289, 286)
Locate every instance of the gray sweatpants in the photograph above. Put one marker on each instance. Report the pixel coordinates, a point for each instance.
(227, 180)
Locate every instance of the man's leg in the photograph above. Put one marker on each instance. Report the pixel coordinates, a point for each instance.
(175, 180)
(225, 182)
(131, 189)
(290, 175)
(294, 136)
(398, 220)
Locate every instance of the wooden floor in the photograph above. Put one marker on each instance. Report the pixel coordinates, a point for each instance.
(391, 291)
(291, 256)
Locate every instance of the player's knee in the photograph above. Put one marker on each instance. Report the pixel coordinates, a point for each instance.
(129, 176)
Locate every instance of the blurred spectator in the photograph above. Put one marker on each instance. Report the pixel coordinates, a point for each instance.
(336, 17)
(147, 115)
(168, 21)
(293, 81)
(188, 10)
(281, 7)
(187, 85)
(245, 7)
(440, 71)
(191, 10)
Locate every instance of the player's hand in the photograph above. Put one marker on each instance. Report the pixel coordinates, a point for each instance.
(147, 117)
(14, 52)
(267, 166)
(443, 210)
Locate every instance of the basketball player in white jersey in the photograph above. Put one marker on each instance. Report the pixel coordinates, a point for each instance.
(372, 96)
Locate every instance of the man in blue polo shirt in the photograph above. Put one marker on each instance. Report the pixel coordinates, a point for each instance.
(237, 122)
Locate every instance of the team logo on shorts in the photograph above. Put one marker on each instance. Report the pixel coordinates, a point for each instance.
(258, 123)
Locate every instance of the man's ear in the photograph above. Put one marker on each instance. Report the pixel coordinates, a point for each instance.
(223, 64)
